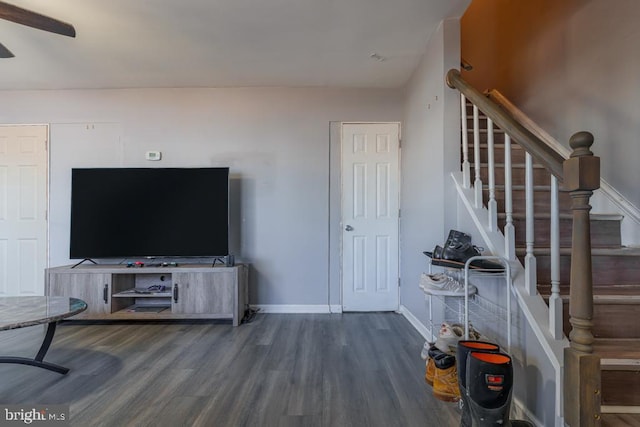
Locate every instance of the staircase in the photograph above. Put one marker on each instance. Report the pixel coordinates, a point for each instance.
(616, 273)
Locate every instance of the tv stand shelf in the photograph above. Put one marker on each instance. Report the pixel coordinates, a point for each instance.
(196, 291)
(133, 294)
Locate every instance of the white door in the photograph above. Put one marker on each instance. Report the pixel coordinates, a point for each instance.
(23, 209)
(370, 197)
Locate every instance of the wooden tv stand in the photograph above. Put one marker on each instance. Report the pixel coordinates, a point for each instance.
(118, 292)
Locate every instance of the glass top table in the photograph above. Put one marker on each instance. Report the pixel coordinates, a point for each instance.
(23, 311)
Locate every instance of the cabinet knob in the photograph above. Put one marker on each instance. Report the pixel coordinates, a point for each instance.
(105, 293)
(175, 292)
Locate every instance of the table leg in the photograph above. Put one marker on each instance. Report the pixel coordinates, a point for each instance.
(38, 360)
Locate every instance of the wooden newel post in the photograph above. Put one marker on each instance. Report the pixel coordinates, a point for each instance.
(582, 367)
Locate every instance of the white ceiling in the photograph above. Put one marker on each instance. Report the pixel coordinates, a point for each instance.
(217, 43)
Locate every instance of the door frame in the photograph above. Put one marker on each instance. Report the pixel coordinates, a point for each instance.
(334, 289)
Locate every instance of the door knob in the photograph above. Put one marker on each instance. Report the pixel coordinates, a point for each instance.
(348, 228)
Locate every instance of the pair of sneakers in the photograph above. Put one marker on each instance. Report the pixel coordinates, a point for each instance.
(443, 285)
(450, 334)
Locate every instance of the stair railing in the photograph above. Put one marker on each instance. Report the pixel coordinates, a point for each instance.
(555, 301)
(580, 176)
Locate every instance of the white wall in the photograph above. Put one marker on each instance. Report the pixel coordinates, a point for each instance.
(430, 151)
(430, 145)
(276, 142)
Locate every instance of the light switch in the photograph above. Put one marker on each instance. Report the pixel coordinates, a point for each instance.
(153, 155)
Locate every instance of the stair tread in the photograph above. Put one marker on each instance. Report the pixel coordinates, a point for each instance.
(609, 299)
(518, 187)
(484, 130)
(622, 409)
(513, 165)
(617, 298)
(615, 416)
(613, 251)
(613, 288)
(546, 215)
(497, 144)
(602, 297)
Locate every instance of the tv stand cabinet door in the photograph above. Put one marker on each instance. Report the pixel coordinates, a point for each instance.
(207, 293)
(91, 288)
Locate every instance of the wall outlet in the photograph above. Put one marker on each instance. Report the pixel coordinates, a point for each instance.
(153, 155)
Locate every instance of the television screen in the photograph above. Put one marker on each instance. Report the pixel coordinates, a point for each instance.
(149, 212)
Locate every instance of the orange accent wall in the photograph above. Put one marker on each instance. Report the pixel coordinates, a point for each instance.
(508, 41)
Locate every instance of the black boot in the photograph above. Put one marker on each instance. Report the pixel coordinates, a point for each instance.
(457, 237)
(463, 350)
(490, 382)
(460, 250)
(435, 254)
(457, 250)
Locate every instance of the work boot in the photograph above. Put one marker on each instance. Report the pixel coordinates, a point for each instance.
(430, 370)
(463, 350)
(433, 354)
(445, 379)
(489, 385)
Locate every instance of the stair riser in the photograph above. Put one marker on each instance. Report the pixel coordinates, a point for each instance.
(483, 137)
(604, 233)
(482, 121)
(541, 200)
(621, 388)
(608, 320)
(517, 154)
(606, 269)
(540, 176)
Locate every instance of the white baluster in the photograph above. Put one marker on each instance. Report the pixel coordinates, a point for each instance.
(509, 229)
(555, 302)
(492, 204)
(477, 184)
(466, 166)
(529, 259)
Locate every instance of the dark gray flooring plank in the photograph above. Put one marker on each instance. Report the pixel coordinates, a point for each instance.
(352, 369)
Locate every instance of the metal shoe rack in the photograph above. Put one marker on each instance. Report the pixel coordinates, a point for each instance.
(467, 307)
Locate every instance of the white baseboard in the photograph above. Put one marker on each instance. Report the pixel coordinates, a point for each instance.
(335, 308)
(520, 412)
(416, 323)
(294, 308)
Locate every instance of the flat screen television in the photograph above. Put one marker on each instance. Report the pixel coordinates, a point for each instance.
(149, 212)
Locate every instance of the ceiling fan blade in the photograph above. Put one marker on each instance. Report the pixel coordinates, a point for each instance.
(32, 19)
(4, 52)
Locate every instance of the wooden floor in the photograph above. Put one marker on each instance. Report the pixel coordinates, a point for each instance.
(279, 370)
